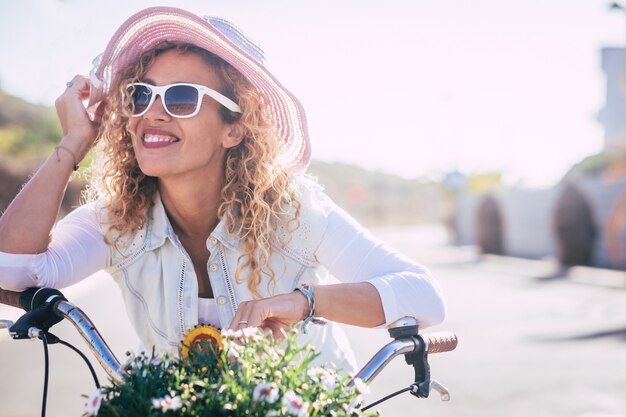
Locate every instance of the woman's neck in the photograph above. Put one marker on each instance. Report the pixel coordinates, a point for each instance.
(191, 206)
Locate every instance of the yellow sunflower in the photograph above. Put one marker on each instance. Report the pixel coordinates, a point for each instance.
(201, 333)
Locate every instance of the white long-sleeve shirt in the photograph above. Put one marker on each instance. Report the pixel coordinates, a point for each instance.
(347, 250)
(337, 242)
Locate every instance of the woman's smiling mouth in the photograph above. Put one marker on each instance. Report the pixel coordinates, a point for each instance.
(152, 139)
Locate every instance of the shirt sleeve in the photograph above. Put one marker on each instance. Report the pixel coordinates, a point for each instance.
(77, 250)
(352, 254)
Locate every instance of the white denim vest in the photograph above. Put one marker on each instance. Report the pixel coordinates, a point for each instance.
(160, 288)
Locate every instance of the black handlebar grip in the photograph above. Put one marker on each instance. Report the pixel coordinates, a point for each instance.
(40, 306)
(33, 298)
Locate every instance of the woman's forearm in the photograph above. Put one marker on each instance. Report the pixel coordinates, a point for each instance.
(26, 224)
(357, 304)
(10, 298)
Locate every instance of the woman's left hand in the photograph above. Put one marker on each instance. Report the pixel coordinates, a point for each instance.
(273, 314)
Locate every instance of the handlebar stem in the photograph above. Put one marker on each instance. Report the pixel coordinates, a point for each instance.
(415, 348)
(383, 357)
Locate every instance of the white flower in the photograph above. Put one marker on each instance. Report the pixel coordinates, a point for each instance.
(272, 413)
(361, 387)
(167, 403)
(267, 392)
(295, 404)
(231, 334)
(128, 362)
(324, 376)
(93, 403)
(135, 362)
(234, 351)
(271, 352)
(353, 406)
(252, 333)
(315, 372)
(328, 381)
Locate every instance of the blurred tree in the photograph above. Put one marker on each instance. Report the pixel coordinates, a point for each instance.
(376, 198)
(484, 182)
(594, 165)
(28, 133)
(26, 130)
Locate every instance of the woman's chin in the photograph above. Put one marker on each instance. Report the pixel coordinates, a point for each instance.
(151, 170)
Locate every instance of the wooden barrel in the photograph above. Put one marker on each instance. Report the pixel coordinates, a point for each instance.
(607, 201)
(615, 232)
(574, 227)
(489, 227)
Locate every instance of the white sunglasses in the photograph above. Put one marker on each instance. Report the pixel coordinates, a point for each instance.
(180, 100)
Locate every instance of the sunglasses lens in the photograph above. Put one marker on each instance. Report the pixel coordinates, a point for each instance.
(181, 100)
(141, 98)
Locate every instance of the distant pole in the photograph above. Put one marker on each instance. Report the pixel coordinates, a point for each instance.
(617, 6)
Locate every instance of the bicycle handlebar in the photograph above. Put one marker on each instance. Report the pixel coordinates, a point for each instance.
(46, 307)
(94, 340)
(411, 345)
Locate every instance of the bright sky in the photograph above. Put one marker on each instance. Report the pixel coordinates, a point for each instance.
(414, 87)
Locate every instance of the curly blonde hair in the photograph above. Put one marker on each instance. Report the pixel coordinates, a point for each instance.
(257, 195)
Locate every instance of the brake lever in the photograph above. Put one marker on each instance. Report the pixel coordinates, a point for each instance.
(443, 391)
(407, 328)
(434, 385)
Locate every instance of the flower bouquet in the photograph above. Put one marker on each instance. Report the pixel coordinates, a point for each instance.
(244, 374)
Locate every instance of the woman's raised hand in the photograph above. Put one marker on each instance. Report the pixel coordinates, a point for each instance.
(273, 314)
(77, 126)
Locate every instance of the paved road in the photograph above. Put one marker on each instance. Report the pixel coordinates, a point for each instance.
(530, 345)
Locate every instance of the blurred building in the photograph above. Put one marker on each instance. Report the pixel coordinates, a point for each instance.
(613, 114)
(581, 221)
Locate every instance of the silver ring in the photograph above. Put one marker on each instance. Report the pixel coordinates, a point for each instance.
(243, 321)
(69, 84)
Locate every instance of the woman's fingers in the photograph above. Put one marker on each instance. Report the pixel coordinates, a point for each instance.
(99, 112)
(248, 315)
(278, 328)
(275, 313)
(71, 110)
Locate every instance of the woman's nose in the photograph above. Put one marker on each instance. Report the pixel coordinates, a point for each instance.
(157, 110)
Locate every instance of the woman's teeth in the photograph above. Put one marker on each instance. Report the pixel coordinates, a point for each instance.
(159, 138)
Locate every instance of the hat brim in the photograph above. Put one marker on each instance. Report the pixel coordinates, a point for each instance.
(152, 26)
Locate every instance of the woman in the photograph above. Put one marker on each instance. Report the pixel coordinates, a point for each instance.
(203, 214)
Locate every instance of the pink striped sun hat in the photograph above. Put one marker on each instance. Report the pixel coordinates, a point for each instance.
(152, 26)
